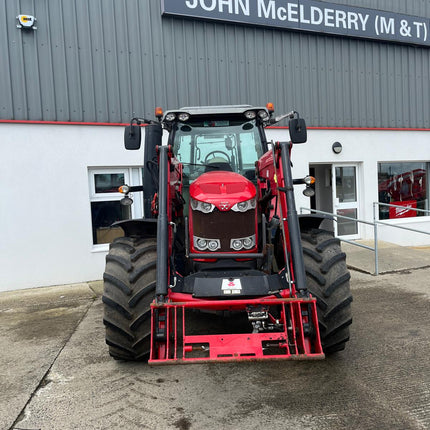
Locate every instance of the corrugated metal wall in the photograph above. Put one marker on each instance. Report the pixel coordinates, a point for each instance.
(107, 60)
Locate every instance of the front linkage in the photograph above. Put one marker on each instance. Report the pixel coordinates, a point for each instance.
(286, 337)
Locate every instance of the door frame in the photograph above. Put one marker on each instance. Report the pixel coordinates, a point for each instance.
(347, 205)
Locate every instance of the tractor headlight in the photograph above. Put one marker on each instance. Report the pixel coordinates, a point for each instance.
(250, 114)
(214, 245)
(243, 243)
(200, 243)
(183, 117)
(236, 244)
(244, 206)
(263, 115)
(248, 242)
(206, 244)
(309, 192)
(170, 117)
(204, 207)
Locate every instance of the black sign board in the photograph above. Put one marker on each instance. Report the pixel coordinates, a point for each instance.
(308, 15)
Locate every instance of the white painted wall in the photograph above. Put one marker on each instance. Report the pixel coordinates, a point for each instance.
(45, 209)
(46, 236)
(366, 147)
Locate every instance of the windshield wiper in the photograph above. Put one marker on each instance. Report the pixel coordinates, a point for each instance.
(204, 165)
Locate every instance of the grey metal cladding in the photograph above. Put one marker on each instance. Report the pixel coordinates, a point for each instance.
(108, 60)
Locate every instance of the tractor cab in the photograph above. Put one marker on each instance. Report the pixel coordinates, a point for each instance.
(227, 143)
(218, 153)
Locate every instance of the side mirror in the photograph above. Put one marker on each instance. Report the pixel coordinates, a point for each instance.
(132, 137)
(298, 133)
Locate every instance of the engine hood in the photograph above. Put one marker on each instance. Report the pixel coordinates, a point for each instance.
(223, 189)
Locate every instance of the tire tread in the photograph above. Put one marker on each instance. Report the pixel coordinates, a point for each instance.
(328, 281)
(129, 285)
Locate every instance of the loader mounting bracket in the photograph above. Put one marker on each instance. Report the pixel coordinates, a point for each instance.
(284, 337)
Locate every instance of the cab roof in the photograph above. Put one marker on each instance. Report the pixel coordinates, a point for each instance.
(215, 110)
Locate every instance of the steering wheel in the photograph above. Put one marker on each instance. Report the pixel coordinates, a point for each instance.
(217, 151)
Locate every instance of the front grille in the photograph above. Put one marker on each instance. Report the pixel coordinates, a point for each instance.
(224, 226)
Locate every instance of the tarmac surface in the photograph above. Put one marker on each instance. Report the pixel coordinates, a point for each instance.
(56, 372)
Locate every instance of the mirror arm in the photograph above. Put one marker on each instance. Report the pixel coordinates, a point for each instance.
(140, 121)
(279, 118)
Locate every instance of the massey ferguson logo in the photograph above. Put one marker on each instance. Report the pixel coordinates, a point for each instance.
(224, 206)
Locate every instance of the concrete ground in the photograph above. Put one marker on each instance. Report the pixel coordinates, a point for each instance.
(391, 258)
(56, 372)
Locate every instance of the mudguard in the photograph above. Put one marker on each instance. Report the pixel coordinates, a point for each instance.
(145, 227)
(311, 220)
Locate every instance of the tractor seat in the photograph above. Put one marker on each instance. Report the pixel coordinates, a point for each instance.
(218, 163)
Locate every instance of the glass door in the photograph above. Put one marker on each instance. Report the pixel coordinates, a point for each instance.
(345, 199)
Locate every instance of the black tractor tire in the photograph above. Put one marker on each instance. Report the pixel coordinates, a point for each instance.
(328, 280)
(129, 289)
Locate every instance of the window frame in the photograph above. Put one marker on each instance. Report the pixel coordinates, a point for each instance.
(133, 176)
(105, 197)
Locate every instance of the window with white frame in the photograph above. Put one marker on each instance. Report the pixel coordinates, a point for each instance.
(105, 200)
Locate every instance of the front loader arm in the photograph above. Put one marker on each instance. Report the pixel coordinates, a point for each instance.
(275, 167)
(291, 223)
(161, 288)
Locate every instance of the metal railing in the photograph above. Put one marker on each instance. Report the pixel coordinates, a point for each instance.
(374, 224)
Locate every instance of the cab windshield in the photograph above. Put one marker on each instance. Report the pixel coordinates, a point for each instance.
(224, 145)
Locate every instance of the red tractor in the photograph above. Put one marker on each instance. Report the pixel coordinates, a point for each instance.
(222, 268)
